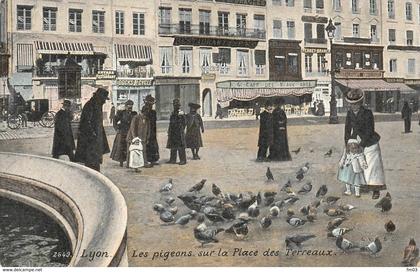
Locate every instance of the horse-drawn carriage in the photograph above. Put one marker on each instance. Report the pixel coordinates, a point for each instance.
(34, 110)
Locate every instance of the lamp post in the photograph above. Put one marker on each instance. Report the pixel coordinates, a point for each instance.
(3, 111)
(330, 29)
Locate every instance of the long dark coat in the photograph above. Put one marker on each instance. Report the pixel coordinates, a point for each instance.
(92, 142)
(265, 137)
(362, 125)
(152, 146)
(176, 131)
(194, 127)
(279, 150)
(63, 143)
(406, 112)
(121, 123)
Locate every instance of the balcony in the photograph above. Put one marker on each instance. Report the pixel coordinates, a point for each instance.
(307, 9)
(320, 11)
(143, 73)
(172, 30)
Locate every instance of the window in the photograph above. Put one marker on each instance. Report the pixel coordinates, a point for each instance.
(242, 58)
(75, 20)
(337, 5)
(356, 30)
(119, 22)
(50, 19)
(307, 4)
(24, 18)
(308, 63)
(185, 59)
(391, 36)
(290, 29)
(393, 65)
(289, 3)
(307, 29)
(373, 33)
(185, 17)
(165, 59)
(355, 6)
(204, 17)
(409, 35)
(259, 25)
(164, 20)
(223, 60)
(319, 4)
(98, 21)
(277, 30)
(277, 2)
(259, 61)
(139, 27)
(205, 60)
(411, 66)
(292, 63)
(241, 24)
(408, 11)
(373, 9)
(337, 35)
(322, 61)
(223, 23)
(391, 9)
(320, 31)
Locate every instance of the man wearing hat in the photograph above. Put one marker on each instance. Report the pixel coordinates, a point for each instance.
(265, 138)
(152, 147)
(63, 143)
(176, 134)
(360, 124)
(121, 123)
(194, 129)
(92, 142)
(279, 150)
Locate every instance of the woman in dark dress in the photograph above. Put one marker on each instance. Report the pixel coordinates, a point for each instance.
(152, 146)
(194, 129)
(265, 137)
(279, 150)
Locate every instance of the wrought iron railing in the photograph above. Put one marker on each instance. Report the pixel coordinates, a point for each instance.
(213, 31)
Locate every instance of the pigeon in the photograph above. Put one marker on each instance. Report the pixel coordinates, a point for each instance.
(279, 204)
(167, 216)
(183, 220)
(298, 239)
(268, 201)
(167, 187)
(239, 228)
(344, 244)
(198, 186)
(390, 226)
(373, 248)
(311, 214)
(270, 194)
(215, 190)
(266, 222)
(290, 212)
(335, 223)
(411, 253)
(305, 188)
(329, 153)
(158, 207)
(385, 203)
(346, 207)
(296, 151)
(253, 210)
(315, 203)
(269, 175)
(170, 200)
(330, 199)
(305, 210)
(173, 210)
(285, 186)
(245, 200)
(214, 217)
(291, 199)
(274, 211)
(302, 171)
(322, 191)
(338, 232)
(333, 212)
(228, 212)
(289, 191)
(207, 235)
(296, 221)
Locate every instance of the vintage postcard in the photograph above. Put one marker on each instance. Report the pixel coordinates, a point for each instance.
(209, 133)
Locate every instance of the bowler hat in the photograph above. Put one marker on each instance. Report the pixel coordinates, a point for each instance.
(194, 106)
(149, 99)
(354, 96)
(129, 102)
(102, 92)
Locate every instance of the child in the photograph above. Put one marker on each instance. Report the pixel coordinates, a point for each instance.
(351, 168)
(136, 154)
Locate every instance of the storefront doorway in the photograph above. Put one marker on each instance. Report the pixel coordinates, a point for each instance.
(207, 103)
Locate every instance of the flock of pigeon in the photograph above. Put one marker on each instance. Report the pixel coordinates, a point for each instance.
(233, 213)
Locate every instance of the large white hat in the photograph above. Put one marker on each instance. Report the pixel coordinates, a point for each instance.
(354, 96)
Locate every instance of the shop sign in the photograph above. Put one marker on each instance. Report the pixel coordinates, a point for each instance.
(135, 82)
(412, 81)
(254, 84)
(208, 76)
(394, 80)
(106, 75)
(260, 3)
(315, 50)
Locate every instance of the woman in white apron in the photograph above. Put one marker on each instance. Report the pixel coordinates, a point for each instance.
(360, 124)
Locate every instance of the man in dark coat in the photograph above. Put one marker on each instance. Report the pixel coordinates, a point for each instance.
(121, 123)
(265, 138)
(279, 150)
(112, 114)
(406, 115)
(63, 143)
(176, 134)
(92, 142)
(152, 146)
(219, 112)
(257, 110)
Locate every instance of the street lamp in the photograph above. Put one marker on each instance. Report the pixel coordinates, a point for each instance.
(330, 29)
(3, 112)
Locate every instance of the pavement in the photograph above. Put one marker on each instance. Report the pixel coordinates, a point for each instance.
(228, 159)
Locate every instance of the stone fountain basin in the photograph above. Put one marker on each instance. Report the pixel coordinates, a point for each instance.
(86, 204)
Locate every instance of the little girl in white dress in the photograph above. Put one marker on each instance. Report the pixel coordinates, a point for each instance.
(136, 159)
(351, 167)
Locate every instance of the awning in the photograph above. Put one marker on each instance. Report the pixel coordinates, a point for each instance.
(372, 85)
(64, 48)
(25, 55)
(227, 95)
(133, 52)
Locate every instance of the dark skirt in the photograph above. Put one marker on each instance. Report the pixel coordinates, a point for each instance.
(152, 151)
(279, 150)
(119, 148)
(193, 138)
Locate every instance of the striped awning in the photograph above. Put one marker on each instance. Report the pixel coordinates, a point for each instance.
(133, 52)
(372, 85)
(226, 95)
(57, 47)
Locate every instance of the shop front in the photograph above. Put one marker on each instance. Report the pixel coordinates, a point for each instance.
(133, 89)
(240, 98)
